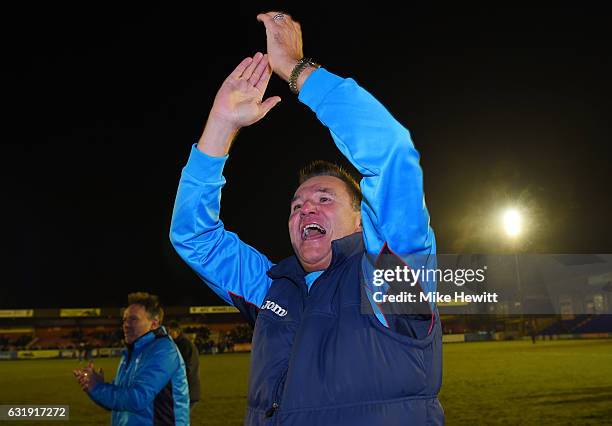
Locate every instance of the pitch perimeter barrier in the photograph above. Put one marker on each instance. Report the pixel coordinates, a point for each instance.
(59, 353)
(246, 347)
(453, 338)
(47, 353)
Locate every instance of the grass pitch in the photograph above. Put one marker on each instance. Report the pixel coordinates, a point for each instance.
(504, 383)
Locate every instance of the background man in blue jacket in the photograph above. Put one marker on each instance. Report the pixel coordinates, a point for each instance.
(317, 359)
(150, 386)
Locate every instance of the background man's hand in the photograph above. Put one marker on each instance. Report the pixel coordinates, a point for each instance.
(284, 42)
(88, 377)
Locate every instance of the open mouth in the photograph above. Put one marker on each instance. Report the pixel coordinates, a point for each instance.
(313, 231)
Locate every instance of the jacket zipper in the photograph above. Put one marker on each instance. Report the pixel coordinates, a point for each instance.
(272, 409)
(275, 405)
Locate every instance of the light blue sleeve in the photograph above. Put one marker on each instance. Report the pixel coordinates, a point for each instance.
(154, 373)
(380, 148)
(231, 268)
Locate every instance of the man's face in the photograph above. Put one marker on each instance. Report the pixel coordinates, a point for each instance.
(137, 322)
(321, 211)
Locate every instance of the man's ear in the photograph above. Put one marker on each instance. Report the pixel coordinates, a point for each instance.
(358, 223)
(155, 323)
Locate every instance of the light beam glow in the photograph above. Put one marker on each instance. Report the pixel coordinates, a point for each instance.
(512, 222)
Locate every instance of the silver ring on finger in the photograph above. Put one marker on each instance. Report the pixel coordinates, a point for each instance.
(278, 17)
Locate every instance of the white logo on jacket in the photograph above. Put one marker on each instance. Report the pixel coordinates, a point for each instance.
(278, 310)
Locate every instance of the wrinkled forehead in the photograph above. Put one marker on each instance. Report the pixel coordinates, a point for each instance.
(329, 184)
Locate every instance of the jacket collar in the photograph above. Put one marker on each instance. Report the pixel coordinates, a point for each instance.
(147, 338)
(342, 249)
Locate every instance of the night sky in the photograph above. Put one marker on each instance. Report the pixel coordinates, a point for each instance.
(102, 103)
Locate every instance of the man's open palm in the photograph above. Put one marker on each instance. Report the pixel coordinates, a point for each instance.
(239, 100)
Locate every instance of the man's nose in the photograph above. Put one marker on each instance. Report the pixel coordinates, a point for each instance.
(308, 208)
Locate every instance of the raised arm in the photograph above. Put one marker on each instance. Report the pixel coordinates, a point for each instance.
(393, 208)
(234, 270)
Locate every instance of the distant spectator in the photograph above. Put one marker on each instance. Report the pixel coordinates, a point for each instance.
(191, 356)
(82, 352)
(243, 333)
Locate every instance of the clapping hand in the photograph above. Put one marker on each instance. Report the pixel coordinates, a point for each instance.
(88, 377)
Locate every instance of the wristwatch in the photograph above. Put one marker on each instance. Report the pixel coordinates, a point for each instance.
(301, 65)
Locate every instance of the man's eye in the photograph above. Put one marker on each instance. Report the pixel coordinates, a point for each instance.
(324, 199)
(297, 206)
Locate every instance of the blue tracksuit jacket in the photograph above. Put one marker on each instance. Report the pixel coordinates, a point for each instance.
(317, 359)
(150, 386)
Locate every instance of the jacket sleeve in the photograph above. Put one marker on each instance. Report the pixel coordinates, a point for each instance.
(153, 374)
(231, 268)
(394, 216)
(380, 148)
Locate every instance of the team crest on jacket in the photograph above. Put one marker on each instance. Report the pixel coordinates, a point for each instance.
(277, 309)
